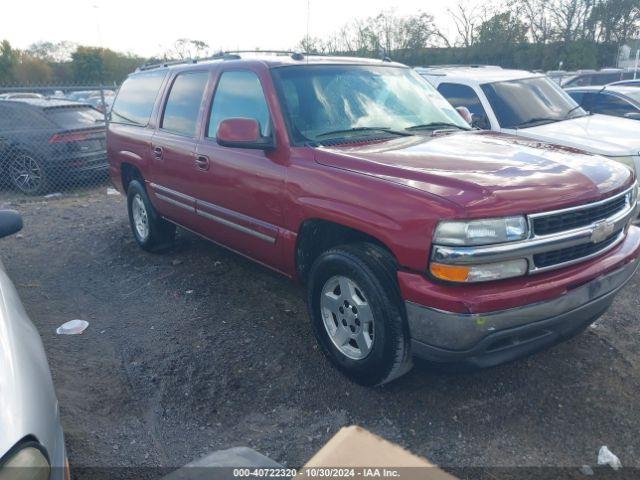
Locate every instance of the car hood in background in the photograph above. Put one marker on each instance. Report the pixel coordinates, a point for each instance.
(600, 134)
(485, 173)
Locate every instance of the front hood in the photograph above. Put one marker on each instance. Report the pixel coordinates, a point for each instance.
(486, 173)
(600, 134)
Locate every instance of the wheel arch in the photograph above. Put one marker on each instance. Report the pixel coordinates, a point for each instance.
(128, 173)
(317, 235)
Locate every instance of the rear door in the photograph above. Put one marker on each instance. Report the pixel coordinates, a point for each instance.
(240, 190)
(173, 148)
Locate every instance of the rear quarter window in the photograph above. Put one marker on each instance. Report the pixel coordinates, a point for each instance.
(75, 117)
(136, 97)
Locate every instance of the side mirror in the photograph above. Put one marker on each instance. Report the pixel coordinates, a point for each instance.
(10, 222)
(243, 133)
(632, 115)
(465, 114)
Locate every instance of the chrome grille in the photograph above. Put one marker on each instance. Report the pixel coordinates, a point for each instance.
(555, 257)
(559, 222)
(557, 238)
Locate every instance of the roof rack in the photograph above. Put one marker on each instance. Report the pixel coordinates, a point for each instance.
(224, 55)
(460, 65)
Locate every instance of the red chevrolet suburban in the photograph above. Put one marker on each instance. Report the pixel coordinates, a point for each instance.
(414, 234)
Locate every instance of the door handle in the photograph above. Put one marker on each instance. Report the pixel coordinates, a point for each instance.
(157, 152)
(202, 162)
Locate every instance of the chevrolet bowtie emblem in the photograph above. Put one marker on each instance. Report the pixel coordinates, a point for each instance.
(601, 231)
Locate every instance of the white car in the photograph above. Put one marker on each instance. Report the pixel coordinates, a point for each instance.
(533, 106)
(31, 438)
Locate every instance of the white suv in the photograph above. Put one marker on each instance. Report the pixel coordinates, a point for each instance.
(531, 105)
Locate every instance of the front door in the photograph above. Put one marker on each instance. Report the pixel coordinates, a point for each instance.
(239, 194)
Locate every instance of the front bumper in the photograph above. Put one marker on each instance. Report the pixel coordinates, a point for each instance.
(492, 338)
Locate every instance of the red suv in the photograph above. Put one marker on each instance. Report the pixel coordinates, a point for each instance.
(414, 234)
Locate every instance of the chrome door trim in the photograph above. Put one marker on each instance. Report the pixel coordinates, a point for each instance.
(207, 215)
(176, 203)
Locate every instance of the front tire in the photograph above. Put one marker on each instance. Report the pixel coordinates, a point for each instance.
(357, 313)
(151, 232)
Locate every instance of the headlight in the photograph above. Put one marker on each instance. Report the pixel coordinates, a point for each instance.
(479, 273)
(28, 463)
(481, 232)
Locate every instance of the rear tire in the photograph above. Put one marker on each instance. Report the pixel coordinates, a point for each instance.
(27, 174)
(151, 232)
(357, 313)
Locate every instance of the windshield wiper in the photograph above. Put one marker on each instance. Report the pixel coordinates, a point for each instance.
(363, 130)
(566, 116)
(434, 125)
(536, 121)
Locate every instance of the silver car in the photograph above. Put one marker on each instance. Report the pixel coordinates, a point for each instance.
(31, 437)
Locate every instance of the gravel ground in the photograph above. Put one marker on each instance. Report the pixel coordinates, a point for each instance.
(199, 349)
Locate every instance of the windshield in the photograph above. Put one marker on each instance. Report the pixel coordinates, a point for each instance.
(327, 102)
(529, 102)
(633, 94)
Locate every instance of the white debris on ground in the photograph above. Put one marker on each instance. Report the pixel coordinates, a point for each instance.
(112, 191)
(606, 457)
(53, 195)
(586, 470)
(72, 327)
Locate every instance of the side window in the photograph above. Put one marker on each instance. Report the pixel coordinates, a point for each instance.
(136, 97)
(464, 96)
(578, 97)
(579, 81)
(588, 101)
(239, 95)
(183, 103)
(610, 105)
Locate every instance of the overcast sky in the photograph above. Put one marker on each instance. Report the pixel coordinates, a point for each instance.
(150, 28)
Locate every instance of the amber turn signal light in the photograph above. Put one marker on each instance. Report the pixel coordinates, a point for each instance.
(451, 273)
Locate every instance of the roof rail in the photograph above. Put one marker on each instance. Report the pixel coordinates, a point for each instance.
(223, 55)
(461, 65)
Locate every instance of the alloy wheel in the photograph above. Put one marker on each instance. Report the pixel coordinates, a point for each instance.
(347, 317)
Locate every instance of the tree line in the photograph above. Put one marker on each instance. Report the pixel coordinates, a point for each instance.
(530, 34)
(65, 63)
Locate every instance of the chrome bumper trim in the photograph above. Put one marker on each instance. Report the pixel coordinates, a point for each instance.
(460, 331)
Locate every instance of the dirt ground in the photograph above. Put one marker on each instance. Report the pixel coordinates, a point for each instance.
(199, 349)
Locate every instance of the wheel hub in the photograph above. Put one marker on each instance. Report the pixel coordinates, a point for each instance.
(140, 217)
(347, 317)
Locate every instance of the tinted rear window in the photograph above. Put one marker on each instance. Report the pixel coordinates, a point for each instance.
(183, 105)
(136, 98)
(75, 117)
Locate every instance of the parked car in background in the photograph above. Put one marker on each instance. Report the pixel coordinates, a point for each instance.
(532, 106)
(615, 100)
(31, 437)
(414, 234)
(627, 83)
(597, 77)
(44, 142)
(20, 95)
(559, 76)
(81, 95)
(96, 101)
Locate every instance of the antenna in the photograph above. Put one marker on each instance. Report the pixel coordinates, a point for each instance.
(308, 21)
